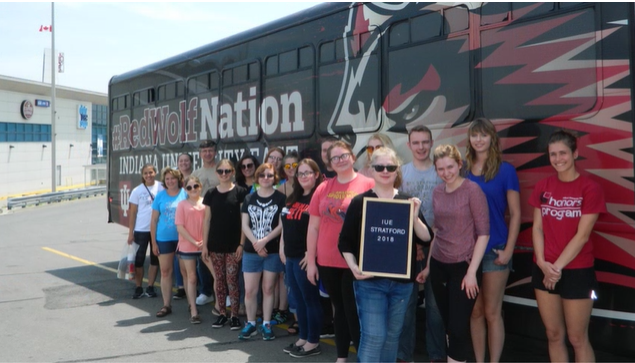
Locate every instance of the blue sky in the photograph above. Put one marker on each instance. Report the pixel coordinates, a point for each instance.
(100, 40)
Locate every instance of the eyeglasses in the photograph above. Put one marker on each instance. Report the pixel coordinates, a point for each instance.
(289, 166)
(380, 168)
(274, 158)
(190, 187)
(370, 149)
(343, 157)
(266, 176)
(224, 171)
(305, 174)
(247, 166)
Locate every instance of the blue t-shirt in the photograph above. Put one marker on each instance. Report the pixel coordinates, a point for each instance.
(496, 192)
(166, 205)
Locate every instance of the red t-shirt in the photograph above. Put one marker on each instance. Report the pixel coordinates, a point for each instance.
(562, 204)
(330, 202)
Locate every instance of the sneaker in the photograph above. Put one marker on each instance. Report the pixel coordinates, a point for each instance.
(138, 293)
(280, 317)
(180, 294)
(234, 323)
(220, 322)
(328, 331)
(203, 299)
(150, 291)
(304, 353)
(247, 332)
(195, 319)
(267, 333)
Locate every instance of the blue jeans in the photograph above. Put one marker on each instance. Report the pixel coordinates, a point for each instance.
(407, 339)
(307, 301)
(381, 306)
(178, 277)
(435, 330)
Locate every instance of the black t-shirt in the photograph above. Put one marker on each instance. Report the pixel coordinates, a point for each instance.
(264, 216)
(295, 223)
(352, 230)
(224, 228)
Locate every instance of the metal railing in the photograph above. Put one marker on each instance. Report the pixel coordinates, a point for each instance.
(47, 198)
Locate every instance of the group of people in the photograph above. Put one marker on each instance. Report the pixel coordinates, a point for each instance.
(292, 227)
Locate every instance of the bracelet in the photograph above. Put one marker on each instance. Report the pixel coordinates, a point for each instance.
(241, 246)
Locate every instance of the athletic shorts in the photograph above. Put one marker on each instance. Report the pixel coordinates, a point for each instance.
(252, 262)
(576, 283)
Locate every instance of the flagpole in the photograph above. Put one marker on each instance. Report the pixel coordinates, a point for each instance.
(53, 163)
(43, 64)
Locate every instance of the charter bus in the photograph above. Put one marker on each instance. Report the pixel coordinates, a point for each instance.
(349, 70)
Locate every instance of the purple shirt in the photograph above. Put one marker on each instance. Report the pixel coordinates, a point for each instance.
(460, 217)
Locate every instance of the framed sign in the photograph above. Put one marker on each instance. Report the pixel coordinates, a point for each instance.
(386, 245)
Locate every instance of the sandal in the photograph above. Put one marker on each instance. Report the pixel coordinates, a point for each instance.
(195, 319)
(166, 310)
(294, 328)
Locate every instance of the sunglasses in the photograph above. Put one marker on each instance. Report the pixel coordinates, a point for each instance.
(224, 171)
(190, 187)
(305, 174)
(289, 166)
(370, 149)
(266, 176)
(247, 166)
(275, 158)
(380, 168)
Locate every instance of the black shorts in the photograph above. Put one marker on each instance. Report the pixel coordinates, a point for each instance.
(576, 283)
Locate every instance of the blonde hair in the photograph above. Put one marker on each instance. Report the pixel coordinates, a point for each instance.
(386, 151)
(447, 150)
(383, 138)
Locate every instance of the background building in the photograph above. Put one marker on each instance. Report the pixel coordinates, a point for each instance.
(25, 137)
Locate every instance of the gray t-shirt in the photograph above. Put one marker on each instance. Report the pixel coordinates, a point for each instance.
(420, 184)
(208, 178)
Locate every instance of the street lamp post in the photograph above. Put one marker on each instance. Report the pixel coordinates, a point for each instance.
(53, 163)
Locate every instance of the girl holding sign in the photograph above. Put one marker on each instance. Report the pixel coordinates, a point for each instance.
(462, 222)
(381, 302)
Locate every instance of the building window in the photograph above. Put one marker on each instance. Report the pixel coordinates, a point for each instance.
(19, 132)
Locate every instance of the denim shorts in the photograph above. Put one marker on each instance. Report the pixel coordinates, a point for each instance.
(167, 246)
(252, 262)
(188, 255)
(488, 261)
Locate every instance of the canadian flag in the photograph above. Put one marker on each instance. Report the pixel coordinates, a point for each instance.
(46, 28)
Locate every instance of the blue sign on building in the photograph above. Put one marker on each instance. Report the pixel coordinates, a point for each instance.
(82, 119)
(42, 103)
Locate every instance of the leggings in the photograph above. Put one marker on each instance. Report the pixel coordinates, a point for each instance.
(226, 270)
(338, 283)
(454, 305)
(143, 240)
